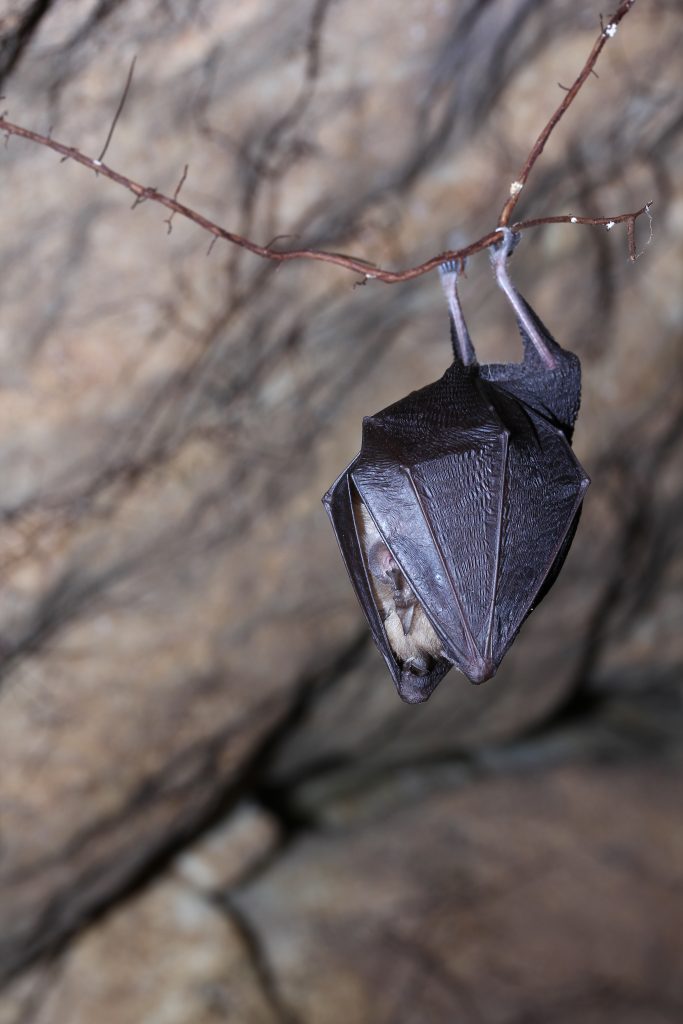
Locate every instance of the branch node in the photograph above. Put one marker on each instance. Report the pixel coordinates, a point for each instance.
(143, 195)
(169, 220)
(279, 238)
(633, 255)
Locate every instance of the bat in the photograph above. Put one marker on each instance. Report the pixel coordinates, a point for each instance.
(456, 516)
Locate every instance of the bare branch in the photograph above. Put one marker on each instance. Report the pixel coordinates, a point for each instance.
(607, 32)
(367, 269)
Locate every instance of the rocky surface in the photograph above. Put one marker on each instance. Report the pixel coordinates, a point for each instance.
(528, 897)
(212, 804)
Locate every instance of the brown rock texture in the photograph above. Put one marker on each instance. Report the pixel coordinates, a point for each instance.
(531, 897)
(212, 804)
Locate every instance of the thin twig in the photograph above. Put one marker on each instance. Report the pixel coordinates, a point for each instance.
(631, 235)
(607, 32)
(633, 253)
(119, 109)
(183, 178)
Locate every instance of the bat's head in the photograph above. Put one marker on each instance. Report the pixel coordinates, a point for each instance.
(453, 521)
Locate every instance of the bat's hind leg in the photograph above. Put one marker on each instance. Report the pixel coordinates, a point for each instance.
(500, 254)
(463, 348)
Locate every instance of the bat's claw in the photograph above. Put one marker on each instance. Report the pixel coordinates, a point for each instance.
(450, 267)
(502, 250)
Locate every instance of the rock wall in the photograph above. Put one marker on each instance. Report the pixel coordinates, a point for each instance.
(213, 806)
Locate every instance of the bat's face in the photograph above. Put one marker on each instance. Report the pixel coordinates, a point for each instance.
(454, 520)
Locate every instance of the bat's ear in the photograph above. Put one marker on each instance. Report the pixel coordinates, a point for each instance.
(463, 350)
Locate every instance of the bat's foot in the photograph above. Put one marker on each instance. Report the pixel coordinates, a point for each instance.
(462, 343)
(501, 251)
(450, 268)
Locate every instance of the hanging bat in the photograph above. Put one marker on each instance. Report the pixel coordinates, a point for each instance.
(455, 518)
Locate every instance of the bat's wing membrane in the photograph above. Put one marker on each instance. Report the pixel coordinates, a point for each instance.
(461, 496)
(416, 508)
(545, 485)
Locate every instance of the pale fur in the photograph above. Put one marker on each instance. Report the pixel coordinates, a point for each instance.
(417, 645)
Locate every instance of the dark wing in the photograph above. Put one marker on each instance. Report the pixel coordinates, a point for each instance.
(461, 498)
(544, 489)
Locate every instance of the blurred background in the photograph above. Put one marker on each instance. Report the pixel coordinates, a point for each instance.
(213, 805)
